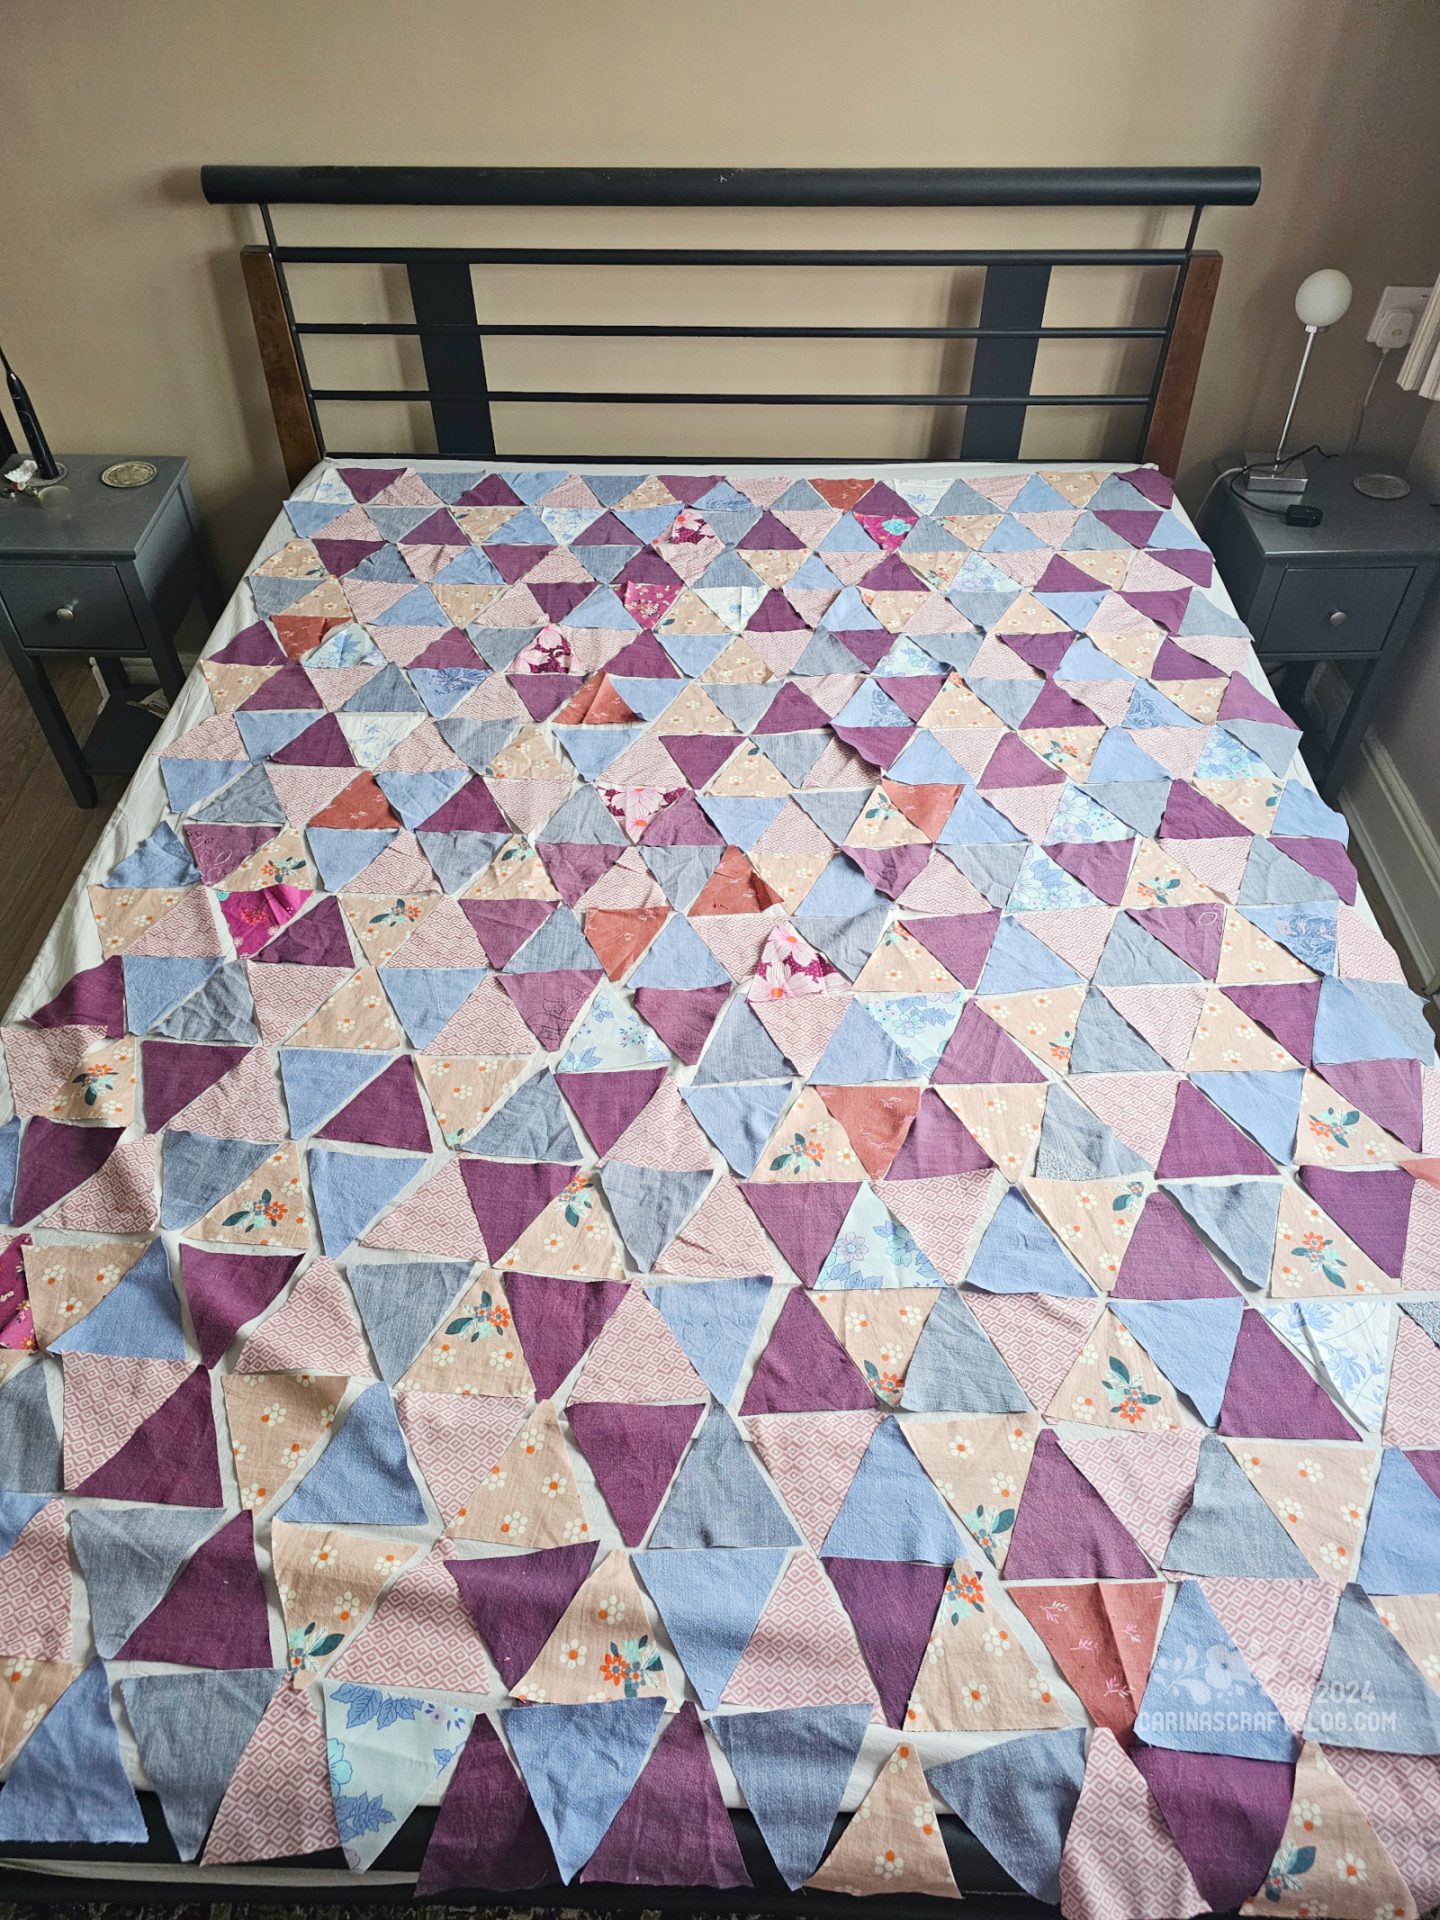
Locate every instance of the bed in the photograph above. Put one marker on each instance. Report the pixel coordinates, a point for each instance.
(718, 1192)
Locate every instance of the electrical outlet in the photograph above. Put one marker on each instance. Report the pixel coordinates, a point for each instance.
(1395, 315)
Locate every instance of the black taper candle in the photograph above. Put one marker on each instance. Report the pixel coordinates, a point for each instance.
(39, 446)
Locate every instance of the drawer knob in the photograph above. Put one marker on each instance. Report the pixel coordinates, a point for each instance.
(67, 612)
(1338, 617)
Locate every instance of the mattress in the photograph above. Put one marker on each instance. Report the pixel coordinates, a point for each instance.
(709, 1151)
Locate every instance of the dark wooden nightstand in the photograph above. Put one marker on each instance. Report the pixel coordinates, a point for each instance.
(1347, 591)
(110, 572)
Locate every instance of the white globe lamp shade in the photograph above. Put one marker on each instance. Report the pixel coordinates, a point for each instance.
(1322, 298)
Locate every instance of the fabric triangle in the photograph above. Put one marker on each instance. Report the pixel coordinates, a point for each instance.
(400, 1303)
(673, 1829)
(191, 1773)
(1402, 1540)
(558, 1320)
(714, 1321)
(224, 1290)
(793, 1767)
(215, 1614)
(1225, 1814)
(1064, 1530)
(720, 1498)
(710, 1600)
(802, 1220)
(1191, 1341)
(891, 1604)
(1270, 1394)
(171, 1459)
(68, 1784)
(893, 1842)
(1101, 1635)
(487, 1832)
(633, 1452)
(278, 1802)
(580, 1763)
(1251, 1727)
(1119, 1855)
(1018, 1798)
(892, 1511)
(516, 1601)
(363, 1477)
(1228, 1529)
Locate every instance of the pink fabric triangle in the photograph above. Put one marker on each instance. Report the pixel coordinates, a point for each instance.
(241, 1105)
(278, 1801)
(420, 1635)
(118, 1198)
(35, 1588)
(721, 1239)
(1283, 1629)
(638, 1359)
(1038, 1335)
(812, 1458)
(314, 1332)
(1147, 1481)
(803, 1652)
(1120, 1862)
(438, 1218)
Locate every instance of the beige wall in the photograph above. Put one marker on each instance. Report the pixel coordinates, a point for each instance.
(120, 297)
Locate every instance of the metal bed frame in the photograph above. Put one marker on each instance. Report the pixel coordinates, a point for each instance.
(452, 337)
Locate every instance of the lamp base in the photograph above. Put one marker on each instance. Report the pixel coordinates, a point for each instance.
(1267, 476)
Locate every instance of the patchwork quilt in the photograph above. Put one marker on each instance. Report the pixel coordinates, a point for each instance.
(726, 1140)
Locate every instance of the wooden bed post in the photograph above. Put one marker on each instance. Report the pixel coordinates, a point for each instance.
(1165, 435)
(299, 445)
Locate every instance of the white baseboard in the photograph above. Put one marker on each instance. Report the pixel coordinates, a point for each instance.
(1401, 850)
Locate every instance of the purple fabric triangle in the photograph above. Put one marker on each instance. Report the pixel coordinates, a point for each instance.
(634, 1451)
(470, 809)
(316, 939)
(1241, 701)
(802, 1220)
(1270, 1396)
(1044, 651)
(1202, 1140)
(558, 599)
(881, 746)
(1101, 865)
(557, 1320)
(215, 1614)
(868, 644)
(54, 1159)
(1166, 1260)
(1288, 1012)
(516, 1601)
(492, 491)
(1152, 483)
(1058, 710)
(512, 563)
(385, 1113)
(981, 1053)
(170, 1460)
(644, 657)
(891, 869)
(1063, 576)
(549, 1002)
(687, 487)
(1196, 564)
(682, 824)
(913, 693)
(1013, 764)
(340, 556)
(1389, 1091)
(503, 926)
(1166, 609)
(1174, 663)
(174, 1072)
(682, 1016)
(224, 1290)
(575, 865)
(436, 530)
(769, 535)
(1326, 859)
(961, 942)
(937, 1143)
(94, 997)
(219, 849)
(698, 755)
(1064, 1530)
(804, 1368)
(1189, 815)
(645, 568)
(673, 1830)
(253, 646)
(1372, 1206)
(892, 1605)
(289, 690)
(1427, 1465)
(606, 1103)
(1193, 934)
(506, 1197)
(452, 649)
(543, 693)
(322, 744)
(366, 482)
(487, 1833)
(792, 711)
(891, 575)
(1226, 1815)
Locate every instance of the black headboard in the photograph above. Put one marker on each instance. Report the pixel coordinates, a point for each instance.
(1007, 335)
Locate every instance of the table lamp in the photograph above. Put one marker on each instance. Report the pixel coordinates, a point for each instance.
(1321, 299)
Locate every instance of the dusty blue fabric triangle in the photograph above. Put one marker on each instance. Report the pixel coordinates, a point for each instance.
(196, 1172)
(956, 1368)
(1019, 1254)
(129, 1556)
(681, 871)
(153, 985)
(793, 1766)
(678, 957)
(720, 1498)
(1402, 1540)
(1266, 1105)
(1394, 1710)
(459, 855)
(580, 1764)
(849, 942)
(1228, 1529)
(191, 1729)
(320, 1080)
(740, 1049)
(1018, 1798)
(715, 1322)
(163, 860)
(267, 730)
(892, 1511)
(584, 817)
(1191, 1341)
(350, 1189)
(342, 852)
(861, 1054)
(738, 1119)
(1195, 1665)
(1239, 1217)
(415, 796)
(1106, 1043)
(30, 1460)
(401, 1303)
(68, 1783)
(141, 1316)
(650, 1206)
(222, 1011)
(424, 998)
(1019, 963)
(710, 1600)
(1076, 1144)
(363, 1477)
(17, 1510)
(189, 782)
(250, 801)
(556, 945)
(1133, 957)
(532, 1125)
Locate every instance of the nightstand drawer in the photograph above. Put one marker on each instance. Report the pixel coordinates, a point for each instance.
(84, 607)
(1321, 610)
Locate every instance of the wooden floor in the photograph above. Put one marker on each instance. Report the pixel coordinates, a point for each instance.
(44, 836)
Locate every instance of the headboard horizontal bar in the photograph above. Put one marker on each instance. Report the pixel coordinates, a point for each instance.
(733, 186)
(499, 395)
(736, 256)
(557, 330)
